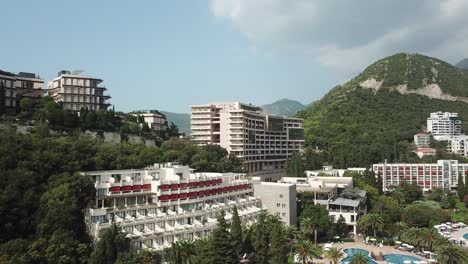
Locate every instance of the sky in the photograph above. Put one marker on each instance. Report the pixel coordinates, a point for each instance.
(168, 55)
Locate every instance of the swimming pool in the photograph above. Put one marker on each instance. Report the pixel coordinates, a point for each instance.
(399, 258)
(465, 236)
(350, 253)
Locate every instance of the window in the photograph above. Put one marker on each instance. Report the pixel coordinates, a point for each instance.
(283, 215)
(278, 205)
(283, 205)
(352, 218)
(280, 196)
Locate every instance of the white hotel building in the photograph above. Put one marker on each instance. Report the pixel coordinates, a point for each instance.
(262, 141)
(76, 91)
(441, 124)
(443, 174)
(166, 203)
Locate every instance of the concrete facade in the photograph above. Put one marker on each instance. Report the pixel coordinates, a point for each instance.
(263, 142)
(279, 199)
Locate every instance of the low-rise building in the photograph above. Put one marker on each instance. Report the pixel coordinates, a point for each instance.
(443, 174)
(425, 152)
(422, 140)
(279, 199)
(166, 203)
(331, 192)
(330, 171)
(155, 120)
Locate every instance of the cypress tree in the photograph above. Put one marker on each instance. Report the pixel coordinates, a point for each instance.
(236, 232)
(261, 241)
(295, 166)
(247, 246)
(279, 247)
(222, 243)
(461, 188)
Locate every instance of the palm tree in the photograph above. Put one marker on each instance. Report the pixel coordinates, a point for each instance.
(451, 254)
(375, 222)
(309, 226)
(399, 196)
(334, 254)
(429, 235)
(175, 253)
(187, 251)
(414, 235)
(360, 258)
(305, 250)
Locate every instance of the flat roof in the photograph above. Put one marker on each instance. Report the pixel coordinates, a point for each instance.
(345, 202)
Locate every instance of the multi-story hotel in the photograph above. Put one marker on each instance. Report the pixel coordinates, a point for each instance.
(443, 174)
(76, 91)
(14, 87)
(444, 124)
(166, 203)
(263, 142)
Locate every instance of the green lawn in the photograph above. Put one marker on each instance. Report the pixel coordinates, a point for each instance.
(461, 215)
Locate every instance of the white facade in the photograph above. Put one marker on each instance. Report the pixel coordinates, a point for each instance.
(263, 142)
(325, 192)
(425, 152)
(422, 140)
(443, 174)
(166, 203)
(330, 171)
(155, 121)
(76, 91)
(444, 124)
(279, 199)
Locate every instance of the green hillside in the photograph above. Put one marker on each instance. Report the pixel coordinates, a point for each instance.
(356, 126)
(283, 107)
(181, 120)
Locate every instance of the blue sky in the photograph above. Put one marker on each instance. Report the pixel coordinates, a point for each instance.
(169, 55)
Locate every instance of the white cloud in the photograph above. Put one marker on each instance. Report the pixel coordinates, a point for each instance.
(348, 35)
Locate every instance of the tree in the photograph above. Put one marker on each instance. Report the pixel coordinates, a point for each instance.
(295, 166)
(360, 258)
(430, 235)
(247, 246)
(334, 254)
(319, 219)
(173, 130)
(279, 248)
(304, 250)
(112, 243)
(340, 228)
(451, 254)
(261, 240)
(236, 232)
(461, 188)
(188, 251)
(414, 235)
(371, 222)
(26, 104)
(222, 242)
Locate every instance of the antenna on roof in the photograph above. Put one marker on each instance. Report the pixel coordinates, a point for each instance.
(77, 72)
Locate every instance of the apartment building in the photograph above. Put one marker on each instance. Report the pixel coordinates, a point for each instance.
(443, 174)
(155, 120)
(263, 142)
(425, 152)
(331, 192)
(76, 91)
(165, 203)
(422, 140)
(444, 124)
(8, 100)
(14, 87)
(279, 199)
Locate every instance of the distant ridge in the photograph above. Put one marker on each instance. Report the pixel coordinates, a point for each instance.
(181, 120)
(283, 107)
(463, 64)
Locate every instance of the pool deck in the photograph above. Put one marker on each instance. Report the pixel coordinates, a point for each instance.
(371, 248)
(458, 234)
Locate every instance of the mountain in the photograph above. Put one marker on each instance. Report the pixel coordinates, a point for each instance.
(374, 116)
(283, 107)
(180, 119)
(463, 64)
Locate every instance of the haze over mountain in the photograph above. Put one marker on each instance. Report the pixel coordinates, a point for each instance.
(181, 120)
(375, 115)
(283, 107)
(463, 64)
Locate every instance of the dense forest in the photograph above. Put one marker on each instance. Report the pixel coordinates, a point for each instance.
(355, 126)
(42, 196)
